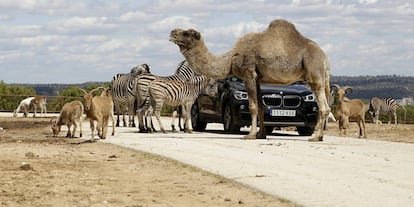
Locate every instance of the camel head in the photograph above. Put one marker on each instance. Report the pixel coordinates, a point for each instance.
(185, 39)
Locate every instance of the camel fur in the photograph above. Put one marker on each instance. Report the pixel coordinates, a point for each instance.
(279, 55)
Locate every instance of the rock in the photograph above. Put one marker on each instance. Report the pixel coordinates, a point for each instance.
(25, 166)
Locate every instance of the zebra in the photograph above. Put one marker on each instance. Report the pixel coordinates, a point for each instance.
(122, 86)
(179, 93)
(385, 106)
(182, 72)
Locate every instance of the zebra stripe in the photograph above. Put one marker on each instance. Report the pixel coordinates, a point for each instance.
(182, 72)
(385, 106)
(122, 90)
(177, 93)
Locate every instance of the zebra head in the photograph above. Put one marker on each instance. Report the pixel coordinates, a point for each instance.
(141, 69)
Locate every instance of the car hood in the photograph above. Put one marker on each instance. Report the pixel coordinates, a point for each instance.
(269, 88)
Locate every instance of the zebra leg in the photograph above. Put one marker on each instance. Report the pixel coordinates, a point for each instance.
(174, 114)
(142, 128)
(148, 120)
(117, 120)
(187, 114)
(180, 116)
(123, 119)
(157, 108)
(158, 114)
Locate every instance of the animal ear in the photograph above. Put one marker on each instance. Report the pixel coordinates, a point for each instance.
(195, 34)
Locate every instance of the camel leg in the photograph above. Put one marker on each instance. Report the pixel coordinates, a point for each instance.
(250, 85)
(323, 112)
(262, 132)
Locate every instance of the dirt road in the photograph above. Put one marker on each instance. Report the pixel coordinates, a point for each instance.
(336, 172)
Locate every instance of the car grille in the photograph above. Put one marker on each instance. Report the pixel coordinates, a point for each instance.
(289, 101)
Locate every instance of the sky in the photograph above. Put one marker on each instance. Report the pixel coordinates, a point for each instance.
(77, 41)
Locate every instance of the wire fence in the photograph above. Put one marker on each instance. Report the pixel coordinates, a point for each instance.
(9, 102)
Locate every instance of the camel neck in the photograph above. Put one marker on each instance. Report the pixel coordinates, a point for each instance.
(205, 63)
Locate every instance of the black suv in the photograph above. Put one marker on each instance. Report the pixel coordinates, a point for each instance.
(293, 105)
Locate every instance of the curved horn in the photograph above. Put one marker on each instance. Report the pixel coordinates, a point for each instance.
(82, 90)
(347, 89)
(335, 86)
(96, 89)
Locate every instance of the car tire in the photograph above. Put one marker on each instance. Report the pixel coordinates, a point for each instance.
(269, 129)
(196, 123)
(305, 131)
(230, 121)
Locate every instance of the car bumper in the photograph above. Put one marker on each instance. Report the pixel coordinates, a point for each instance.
(307, 117)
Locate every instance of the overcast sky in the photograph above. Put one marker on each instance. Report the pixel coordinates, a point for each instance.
(75, 41)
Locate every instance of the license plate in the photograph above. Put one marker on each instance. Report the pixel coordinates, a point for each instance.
(279, 112)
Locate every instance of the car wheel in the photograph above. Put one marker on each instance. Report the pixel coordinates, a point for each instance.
(305, 131)
(195, 119)
(230, 121)
(269, 129)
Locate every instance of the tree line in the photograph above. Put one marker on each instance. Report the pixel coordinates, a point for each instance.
(11, 95)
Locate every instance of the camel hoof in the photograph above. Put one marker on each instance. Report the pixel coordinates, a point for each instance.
(188, 131)
(249, 136)
(315, 139)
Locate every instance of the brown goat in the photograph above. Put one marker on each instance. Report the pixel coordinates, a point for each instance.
(349, 108)
(69, 115)
(100, 109)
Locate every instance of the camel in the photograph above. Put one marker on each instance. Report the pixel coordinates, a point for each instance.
(279, 55)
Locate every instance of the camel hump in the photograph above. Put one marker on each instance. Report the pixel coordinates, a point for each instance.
(283, 25)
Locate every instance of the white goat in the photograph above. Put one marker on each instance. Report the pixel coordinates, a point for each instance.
(69, 115)
(41, 102)
(349, 108)
(100, 109)
(23, 106)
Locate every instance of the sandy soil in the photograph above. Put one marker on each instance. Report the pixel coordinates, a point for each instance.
(39, 170)
(400, 133)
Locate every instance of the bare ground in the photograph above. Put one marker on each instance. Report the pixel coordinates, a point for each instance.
(384, 132)
(39, 170)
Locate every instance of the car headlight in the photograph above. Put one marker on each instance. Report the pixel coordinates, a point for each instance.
(310, 97)
(240, 95)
